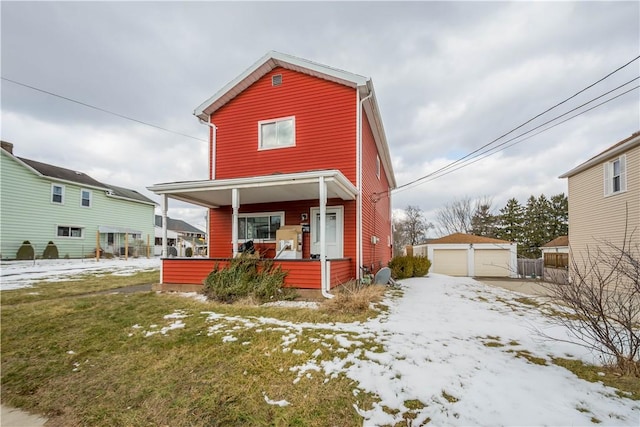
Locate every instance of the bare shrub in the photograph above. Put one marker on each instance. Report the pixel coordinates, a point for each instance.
(604, 294)
(354, 298)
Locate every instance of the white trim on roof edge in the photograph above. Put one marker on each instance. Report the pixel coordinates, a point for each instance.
(267, 63)
(606, 154)
(275, 59)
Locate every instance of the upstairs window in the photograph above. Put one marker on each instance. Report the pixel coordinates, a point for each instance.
(85, 198)
(277, 133)
(615, 176)
(57, 194)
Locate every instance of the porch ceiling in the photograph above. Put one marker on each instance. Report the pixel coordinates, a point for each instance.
(259, 189)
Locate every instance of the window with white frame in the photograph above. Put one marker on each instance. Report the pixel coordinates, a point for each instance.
(615, 176)
(70, 231)
(57, 194)
(259, 226)
(85, 198)
(378, 166)
(277, 133)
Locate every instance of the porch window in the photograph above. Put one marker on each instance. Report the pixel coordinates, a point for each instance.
(259, 226)
(85, 198)
(68, 231)
(615, 176)
(57, 194)
(277, 133)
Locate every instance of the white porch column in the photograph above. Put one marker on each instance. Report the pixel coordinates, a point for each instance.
(235, 204)
(324, 280)
(164, 205)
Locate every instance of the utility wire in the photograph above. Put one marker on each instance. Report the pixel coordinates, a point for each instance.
(519, 126)
(103, 110)
(488, 153)
(470, 156)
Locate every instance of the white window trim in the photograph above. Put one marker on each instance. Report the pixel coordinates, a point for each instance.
(69, 227)
(608, 176)
(52, 194)
(258, 214)
(90, 198)
(280, 119)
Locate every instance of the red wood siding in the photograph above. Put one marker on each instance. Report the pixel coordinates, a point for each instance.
(325, 119)
(376, 217)
(220, 225)
(302, 274)
(341, 271)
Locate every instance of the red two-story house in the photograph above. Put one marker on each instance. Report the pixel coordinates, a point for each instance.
(297, 146)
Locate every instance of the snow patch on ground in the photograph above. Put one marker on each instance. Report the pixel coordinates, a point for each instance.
(23, 274)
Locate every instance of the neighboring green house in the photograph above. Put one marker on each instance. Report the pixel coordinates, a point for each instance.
(41, 203)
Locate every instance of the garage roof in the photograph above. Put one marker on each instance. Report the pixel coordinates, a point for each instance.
(466, 238)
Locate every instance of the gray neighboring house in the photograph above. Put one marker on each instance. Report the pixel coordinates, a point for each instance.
(40, 202)
(181, 235)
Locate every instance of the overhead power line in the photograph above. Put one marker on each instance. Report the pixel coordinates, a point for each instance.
(488, 153)
(102, 109)
(422, 178)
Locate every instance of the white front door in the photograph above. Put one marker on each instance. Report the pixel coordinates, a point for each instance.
(333, 232)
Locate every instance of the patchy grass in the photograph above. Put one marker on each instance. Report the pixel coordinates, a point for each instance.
(79, 285)
(525, 354)
(88, 361)
(528, 301)
(449, 398)
(414, 404)
(626, 385)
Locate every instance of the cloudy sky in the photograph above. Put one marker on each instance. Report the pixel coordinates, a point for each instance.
(450, 77)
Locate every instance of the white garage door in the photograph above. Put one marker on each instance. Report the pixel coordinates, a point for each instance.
(452, 262)
(492, 262)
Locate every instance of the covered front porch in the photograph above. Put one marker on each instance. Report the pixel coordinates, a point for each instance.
(320, 264)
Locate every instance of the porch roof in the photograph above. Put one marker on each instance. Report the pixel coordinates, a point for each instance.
(259, 189)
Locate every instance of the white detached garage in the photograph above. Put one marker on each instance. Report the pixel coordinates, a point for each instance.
(475, 256)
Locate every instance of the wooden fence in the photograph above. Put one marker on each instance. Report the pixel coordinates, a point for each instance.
(556, 260)
(530, 267)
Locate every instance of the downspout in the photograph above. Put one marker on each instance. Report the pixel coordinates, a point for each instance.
(212, 171)
(359, 253)
(214, 137)
(325, 286)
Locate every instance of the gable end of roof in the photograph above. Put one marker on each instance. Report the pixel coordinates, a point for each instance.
(616, 149)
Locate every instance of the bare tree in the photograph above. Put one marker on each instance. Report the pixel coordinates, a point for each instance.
(604, 294)
(457, 216)
(410, 230)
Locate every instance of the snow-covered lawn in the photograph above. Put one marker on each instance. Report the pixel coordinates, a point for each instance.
(21, 274)
(449, 351)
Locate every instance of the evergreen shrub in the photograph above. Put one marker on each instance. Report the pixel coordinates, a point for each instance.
(188, 252)
(25, 251)
(246, 277)
(403, 267)
(50, 251)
